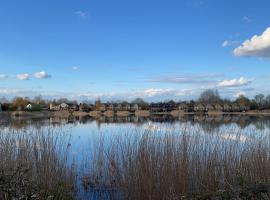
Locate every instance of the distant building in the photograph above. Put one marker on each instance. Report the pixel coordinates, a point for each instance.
(84, 107)
(209, 107)
(74, 107)
(168, 107)
(218, 107)
(227, 107)
(63, 106)
(183, 107)
(111, 107)
(135, 107)
(126, 107)
(199, 107)
(244, 107)
(54, 107)
(156, 107)
(119, 107)
(235, 107)
(29, 107)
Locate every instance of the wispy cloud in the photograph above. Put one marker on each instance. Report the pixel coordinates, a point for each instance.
(151, 94)
(81, 14)
(257, 46)
(228, 43)
(188, 79)
(246, 19)
(3, 76)
(42, 75)
(242, 81)
(23, 76)
(75, 68)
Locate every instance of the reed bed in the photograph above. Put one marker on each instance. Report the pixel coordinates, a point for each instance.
(34, 166)
(151, 162)
(184, 165)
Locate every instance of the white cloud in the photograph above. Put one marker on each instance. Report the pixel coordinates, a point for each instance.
(257, 46)
(162, 93)
(75, 68)
(234, 82)
(156, 92)
(227, 43)
(81, 14)
(23, 76)
(3, 76)
(42, 75)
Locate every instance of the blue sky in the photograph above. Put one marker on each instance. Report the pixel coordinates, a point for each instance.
(122, 49)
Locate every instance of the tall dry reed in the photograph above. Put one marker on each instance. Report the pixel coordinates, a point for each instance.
(34, 166)
(188, 165)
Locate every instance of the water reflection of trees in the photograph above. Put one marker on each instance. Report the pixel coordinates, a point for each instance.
(207, 123)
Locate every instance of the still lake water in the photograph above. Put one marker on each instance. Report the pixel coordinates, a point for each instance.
(83, 133)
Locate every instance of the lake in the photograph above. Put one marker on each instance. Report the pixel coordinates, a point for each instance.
(83, 137)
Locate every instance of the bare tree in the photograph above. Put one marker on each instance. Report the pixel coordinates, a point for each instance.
(209, 96)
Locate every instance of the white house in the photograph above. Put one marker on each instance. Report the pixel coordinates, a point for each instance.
(29, 107)
(64, 106)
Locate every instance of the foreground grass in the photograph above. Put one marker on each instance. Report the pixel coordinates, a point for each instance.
(183, 166)
(34, 166)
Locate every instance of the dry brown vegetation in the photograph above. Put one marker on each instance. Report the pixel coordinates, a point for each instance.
(184, 166)
(34, 166)
(141, 165)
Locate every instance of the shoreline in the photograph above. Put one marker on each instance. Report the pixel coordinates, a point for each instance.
(140, 113)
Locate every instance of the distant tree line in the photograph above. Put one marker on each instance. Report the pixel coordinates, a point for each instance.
(209, 96)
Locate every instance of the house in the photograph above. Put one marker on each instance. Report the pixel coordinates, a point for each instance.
(183, 107)
(111, 107)
(119, 107)
(244, 107)
(84, 107)
(167, 107)
(218, 107)
(235, 107)
(227, 107)
(54, 107)
(74, 107)
(156, 107)
(199, 107)
(126, 107)
(29, 107)
(135, 107)
(64, 106)
(209, 107)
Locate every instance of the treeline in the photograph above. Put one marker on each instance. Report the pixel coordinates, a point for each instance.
(207, 97)
(37, 103)
(259, 102)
